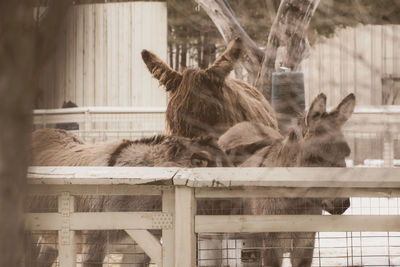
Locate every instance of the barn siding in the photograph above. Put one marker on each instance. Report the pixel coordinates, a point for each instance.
(98, 62)
(355, 60)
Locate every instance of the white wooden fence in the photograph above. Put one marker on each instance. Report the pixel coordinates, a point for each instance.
(178, 220)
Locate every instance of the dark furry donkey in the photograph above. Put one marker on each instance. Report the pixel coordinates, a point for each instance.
(54, 147)
(206, 101)
(317, 141)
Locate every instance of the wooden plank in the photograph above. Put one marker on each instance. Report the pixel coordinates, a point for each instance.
(185, 238)
(295, 223)
(89, 58)
(396, 50)
(220, 177)
(139, 71)
(99, 175)
(71, 57)
(100, 55)
(363, 65)
(150, 245)
(66, 236)
(95, 190)
(349, 61)
(335, 78)
(94, 221)
(168, 235)
(388, 55)
(292, 192)
(376, 65)
(80, 55)
(124, 54)
(112, 55)
(290, 177)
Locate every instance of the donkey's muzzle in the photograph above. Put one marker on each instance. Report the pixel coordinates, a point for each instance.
(337, 206)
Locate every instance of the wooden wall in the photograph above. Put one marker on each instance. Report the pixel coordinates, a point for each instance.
(98, 61)
(355, 60)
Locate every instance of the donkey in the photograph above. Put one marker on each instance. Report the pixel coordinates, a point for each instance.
(316, 141)
(206, 101)
(55, 147)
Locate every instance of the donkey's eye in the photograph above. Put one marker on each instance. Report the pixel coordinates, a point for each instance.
(201, 159)
(315, 159)
(199, 162)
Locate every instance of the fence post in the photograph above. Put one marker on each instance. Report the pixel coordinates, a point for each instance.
(168, 235)
(287, 98)
(185, 237)
(66, 237)
(388, 149)
(88, 125)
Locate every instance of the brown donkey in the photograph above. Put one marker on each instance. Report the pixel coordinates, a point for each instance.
(54, 147)
(206, 101)
(317, 141)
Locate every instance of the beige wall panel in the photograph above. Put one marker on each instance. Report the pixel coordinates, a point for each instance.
(80, 55)
(376, 65)
(363, 64)
(354, 60)
(100, 81)
(98, 62)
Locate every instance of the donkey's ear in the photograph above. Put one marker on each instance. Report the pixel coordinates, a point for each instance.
(344, 110)
(168, 77)
(317, 108)
(225, 62)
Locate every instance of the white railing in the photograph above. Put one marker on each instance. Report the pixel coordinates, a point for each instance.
(180, 188)
(105, 123)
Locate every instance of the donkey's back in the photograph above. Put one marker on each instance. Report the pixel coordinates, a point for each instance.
(56, 147)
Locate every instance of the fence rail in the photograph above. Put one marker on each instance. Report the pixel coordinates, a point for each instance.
(179, 189)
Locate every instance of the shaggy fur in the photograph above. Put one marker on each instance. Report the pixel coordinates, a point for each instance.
(317, 141)
(54, 147)
(206, 101)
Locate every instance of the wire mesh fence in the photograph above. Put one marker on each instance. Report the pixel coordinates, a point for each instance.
(369, 149)
(330, 249)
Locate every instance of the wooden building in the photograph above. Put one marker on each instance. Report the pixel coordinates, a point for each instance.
(98, 60)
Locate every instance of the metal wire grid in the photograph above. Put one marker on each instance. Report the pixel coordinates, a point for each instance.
(331, 250)
(43, 250)
(48, 204)
(119, 253)
(237, 206)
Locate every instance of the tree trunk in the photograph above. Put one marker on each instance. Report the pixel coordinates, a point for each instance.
(224, 19)
(288, 30)
(22, 50)
(17, 52)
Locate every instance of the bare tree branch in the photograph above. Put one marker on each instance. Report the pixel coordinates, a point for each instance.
(288, 30)
(225, 20)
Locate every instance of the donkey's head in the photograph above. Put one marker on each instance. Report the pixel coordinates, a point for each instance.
(169, 151)
(196, 105)
(198, 152)
(324, 144)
